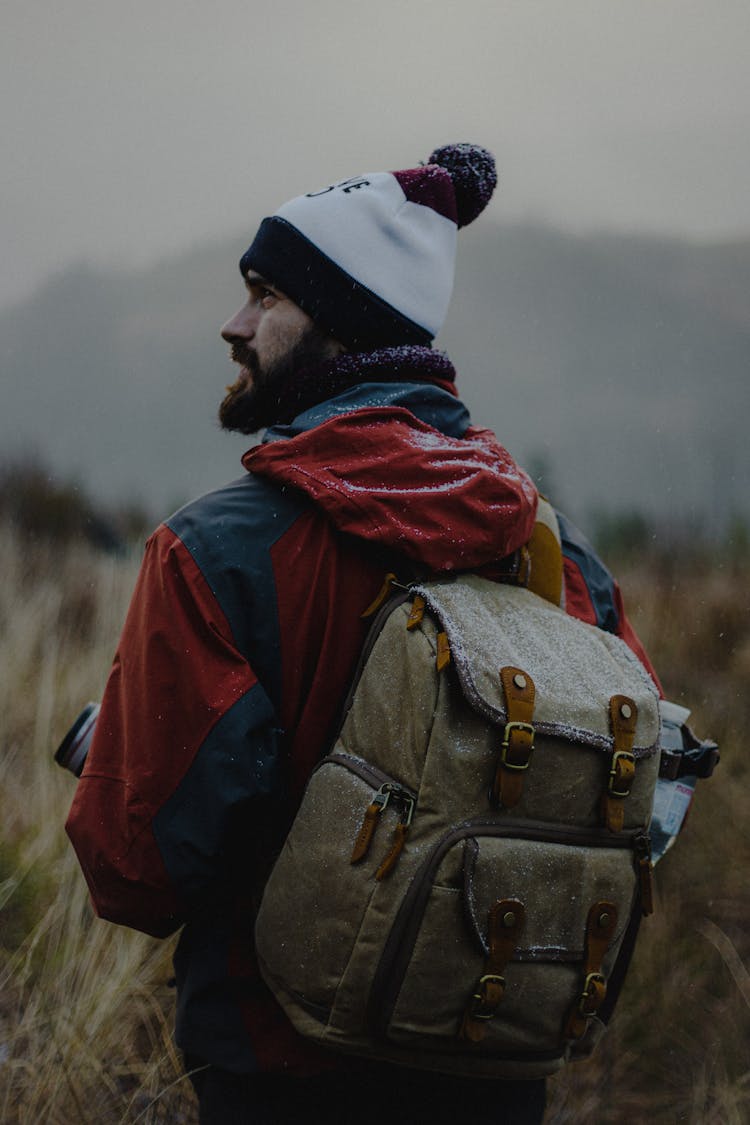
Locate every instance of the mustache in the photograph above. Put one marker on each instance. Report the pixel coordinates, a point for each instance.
(244, 356)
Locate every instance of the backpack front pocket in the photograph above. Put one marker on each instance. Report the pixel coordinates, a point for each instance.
(438, 966)
(303, 945)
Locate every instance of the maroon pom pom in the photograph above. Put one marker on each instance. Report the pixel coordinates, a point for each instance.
(474, 176)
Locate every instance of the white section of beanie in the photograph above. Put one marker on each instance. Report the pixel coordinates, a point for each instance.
(403, 252)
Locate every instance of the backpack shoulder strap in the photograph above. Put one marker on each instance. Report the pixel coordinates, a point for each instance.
(545, 556)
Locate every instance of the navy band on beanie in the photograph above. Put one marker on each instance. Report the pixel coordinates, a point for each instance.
(371, 259)
(336, 302)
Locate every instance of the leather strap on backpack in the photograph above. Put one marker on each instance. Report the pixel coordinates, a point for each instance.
(518, 737)
(600, 929)
(623, 716)
(381, 597)
(505, 922)
(538, 564)
(545, 576)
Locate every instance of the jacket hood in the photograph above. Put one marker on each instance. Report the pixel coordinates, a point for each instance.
(399, 465)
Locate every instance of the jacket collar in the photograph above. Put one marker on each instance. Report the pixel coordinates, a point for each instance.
(432, 405)
(417, 378)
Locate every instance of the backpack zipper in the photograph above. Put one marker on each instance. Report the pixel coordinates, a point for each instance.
(387, 790)
(373, 776)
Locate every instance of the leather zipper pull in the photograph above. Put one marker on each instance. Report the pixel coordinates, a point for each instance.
(399, 835)
(390, 861)
(416, 614)
(443, 658)
(369, 824)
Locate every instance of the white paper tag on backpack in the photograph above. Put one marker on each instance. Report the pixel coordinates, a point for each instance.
(671, 803)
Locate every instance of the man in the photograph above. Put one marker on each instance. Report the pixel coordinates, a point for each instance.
(246, 623)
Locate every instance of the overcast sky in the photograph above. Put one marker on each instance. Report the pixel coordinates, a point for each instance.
(133, 130)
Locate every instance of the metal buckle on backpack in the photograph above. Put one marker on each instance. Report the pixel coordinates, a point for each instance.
(621, 773)
(509, 728)
(480, 1000)
(594, 991)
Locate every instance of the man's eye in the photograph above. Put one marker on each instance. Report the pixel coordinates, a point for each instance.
(267, 297)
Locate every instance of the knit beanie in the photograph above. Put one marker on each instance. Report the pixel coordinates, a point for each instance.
(371, 259)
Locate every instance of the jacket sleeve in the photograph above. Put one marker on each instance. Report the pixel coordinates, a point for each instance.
(184, 742)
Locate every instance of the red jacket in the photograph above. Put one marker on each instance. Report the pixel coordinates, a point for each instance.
(239, 645)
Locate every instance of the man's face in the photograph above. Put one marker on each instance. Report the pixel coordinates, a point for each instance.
(271, 338)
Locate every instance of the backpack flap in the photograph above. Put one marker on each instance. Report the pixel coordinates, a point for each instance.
(576, 668)
(545, 680)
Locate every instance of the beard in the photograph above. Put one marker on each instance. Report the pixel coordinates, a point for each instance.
(277, 390)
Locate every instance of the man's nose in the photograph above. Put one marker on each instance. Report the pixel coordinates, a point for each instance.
(241, 326)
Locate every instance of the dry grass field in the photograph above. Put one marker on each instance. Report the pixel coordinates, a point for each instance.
(86, 1008)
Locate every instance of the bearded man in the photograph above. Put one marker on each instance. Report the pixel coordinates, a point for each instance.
(246, 623)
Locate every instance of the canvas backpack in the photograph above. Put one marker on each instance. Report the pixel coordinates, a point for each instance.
(463, 882)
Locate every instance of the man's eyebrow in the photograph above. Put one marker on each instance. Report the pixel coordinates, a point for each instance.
(256, 279)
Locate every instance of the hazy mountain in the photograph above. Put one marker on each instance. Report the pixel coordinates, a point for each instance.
(617, 367)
